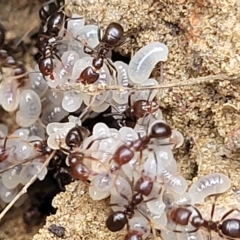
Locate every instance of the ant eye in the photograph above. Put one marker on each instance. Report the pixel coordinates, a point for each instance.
(116, 221)
(160, 130)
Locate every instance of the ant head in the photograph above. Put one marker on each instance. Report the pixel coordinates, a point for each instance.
(116, 221)
(55, 23)
(76, 136)
(113, 34)
(160, 130)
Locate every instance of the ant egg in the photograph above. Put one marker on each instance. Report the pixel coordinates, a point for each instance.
(23, 151)
(156, 206)
(188, 235)
(71, 101)
(54, 97)
(158, 221)
(37, 82)
(140, 225)
(108, 145)
(127, 134)
(87, 35)
(74, 25)
(21, 133)
(104, 106)
(30, 170)
(121, 188)
(145, 59)
(7, 195)
(36, 167)
(96, 194)
(9, 96)
(99, 99)
(52, 113)
(176, 138)
(210, 184)
(23, 121)
(57, 135)
(151, 166)
(30, 105)
(100, 186)
(121, 97)
(146, 94)
(3, 130)
(54, 127)
(174, 183)
(10, 178)
(164, 157)
(78, 67)
(100, 130)
(63, 69)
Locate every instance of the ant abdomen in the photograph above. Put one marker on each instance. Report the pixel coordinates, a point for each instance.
(160, 130)
(116, 221)
(230, 228)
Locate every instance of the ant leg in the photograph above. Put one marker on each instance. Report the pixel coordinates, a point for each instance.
(100, 33)
(229, 212)
(123, 42)
(58, 58)
(111, 69)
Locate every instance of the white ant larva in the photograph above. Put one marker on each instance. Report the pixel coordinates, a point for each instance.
(144, 61)
(210, 184)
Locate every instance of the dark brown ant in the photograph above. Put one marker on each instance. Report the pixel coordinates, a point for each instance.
(229, 228)
(74, 139)
(125, 153)
(111, 39)
(48, 41)
(139, 109)
(117, 220)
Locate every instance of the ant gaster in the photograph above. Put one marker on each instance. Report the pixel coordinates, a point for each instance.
(111, 39)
